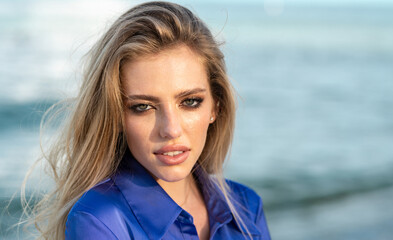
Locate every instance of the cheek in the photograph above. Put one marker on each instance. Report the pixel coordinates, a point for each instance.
(137, 132)
(197, 124)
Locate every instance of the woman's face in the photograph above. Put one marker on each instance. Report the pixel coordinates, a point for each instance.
(169, 107)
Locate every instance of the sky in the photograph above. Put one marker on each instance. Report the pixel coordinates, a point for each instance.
(306, 1)
(313, 2)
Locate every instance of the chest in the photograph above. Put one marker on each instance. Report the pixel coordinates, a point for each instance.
(182, 228)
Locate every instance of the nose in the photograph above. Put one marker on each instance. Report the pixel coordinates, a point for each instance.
(170, 126)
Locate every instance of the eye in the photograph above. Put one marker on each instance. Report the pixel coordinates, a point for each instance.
(140, 108)
(192, 102)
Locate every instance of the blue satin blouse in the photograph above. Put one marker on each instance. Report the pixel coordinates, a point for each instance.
(131, 205)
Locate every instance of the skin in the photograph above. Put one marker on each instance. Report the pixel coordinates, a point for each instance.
(177, 80)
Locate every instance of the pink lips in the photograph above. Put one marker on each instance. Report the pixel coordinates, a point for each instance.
(172, 160)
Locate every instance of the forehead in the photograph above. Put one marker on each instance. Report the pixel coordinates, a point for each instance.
(170, 70)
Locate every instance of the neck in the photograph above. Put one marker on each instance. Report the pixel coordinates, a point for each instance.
(180, 190)
(187, 195)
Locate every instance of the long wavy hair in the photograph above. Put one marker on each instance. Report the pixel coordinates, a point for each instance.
(90, 145)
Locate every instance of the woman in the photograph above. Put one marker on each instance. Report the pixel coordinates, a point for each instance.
(141, 156)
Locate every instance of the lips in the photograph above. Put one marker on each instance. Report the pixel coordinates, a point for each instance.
(172, 148)
(172, 154)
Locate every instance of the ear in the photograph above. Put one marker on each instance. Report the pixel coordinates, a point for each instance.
(215, 111)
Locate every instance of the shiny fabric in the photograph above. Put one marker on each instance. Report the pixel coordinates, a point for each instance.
(131, 205)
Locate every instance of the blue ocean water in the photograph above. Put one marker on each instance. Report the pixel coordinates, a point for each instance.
(314, 125)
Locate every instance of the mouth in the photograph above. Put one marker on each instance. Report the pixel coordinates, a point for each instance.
(172, 150)
(175, 153)
(172, 154)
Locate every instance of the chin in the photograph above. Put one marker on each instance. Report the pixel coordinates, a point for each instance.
(173, 174)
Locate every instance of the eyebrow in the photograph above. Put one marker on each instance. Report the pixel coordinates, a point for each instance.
(190, 92)
(155, 99)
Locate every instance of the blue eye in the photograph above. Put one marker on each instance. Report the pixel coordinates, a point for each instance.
(192, 102)
(139, 108)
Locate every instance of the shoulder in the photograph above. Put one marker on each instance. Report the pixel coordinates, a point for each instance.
(249, 205)
(101, 210)
(250, 202)
(99, 199)
(243, 193)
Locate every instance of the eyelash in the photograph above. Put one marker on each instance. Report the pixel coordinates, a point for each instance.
(135, 107)
(197, 101)
(195, 104)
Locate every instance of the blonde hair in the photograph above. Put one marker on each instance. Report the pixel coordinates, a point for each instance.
(91, 145)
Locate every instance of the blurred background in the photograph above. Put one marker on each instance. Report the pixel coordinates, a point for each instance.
(314, 131)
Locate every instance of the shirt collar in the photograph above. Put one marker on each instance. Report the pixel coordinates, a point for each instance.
(218, 208)
(155, 209)
(219, 211)
(146, 198)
